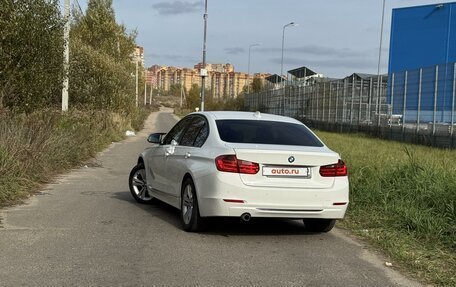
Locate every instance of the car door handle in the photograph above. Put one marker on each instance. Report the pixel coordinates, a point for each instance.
(188, 155)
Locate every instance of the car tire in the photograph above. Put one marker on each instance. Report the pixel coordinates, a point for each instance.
(190, 216)
(138, 184)
(319, 225)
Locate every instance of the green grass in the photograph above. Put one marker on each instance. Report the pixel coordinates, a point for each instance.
(403, 200)
(37, 146)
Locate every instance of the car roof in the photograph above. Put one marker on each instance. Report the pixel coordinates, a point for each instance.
(235, 115)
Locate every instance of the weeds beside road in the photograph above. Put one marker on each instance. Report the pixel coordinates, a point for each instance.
(403, 200)
(36, 147)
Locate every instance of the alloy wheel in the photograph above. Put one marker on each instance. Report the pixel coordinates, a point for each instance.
(140, 186)
(188, 205)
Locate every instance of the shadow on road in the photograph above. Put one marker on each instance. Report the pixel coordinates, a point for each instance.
(256, 226)
(156, 209)
(222, 226)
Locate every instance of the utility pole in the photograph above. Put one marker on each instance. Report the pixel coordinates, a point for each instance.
(181, 98)
(66, 55)
(248, 68)
(181, 90)
(145, 87)
(150, 96)
(137, 82)
(203, 69)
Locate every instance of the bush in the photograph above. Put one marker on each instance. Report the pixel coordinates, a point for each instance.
(97, 81)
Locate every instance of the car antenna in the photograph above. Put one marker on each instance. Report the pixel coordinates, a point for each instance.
(257, 114)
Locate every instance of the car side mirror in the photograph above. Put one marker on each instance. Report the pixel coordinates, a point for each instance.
(155, 138)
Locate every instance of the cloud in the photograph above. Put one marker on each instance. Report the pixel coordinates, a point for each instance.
(234, 50)
(172, 57)
(324, 58)
(316, 50)
(320, 65)
(178, 7)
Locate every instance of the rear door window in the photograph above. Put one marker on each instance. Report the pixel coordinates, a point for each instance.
(266, 132)
(195, 133)
(202, 135)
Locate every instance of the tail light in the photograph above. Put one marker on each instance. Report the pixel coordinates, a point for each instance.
(337, 169)
(230, 163)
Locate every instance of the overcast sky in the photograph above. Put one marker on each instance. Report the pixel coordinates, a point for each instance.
(334, 37)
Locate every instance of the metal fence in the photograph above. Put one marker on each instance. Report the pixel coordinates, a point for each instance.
(413, 106)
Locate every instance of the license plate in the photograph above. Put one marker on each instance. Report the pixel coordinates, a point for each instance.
(286, 171)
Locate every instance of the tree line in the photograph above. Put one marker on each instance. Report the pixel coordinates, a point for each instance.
(101, 70)
(193, 96)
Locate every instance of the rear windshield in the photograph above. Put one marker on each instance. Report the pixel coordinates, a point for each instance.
(266, 132)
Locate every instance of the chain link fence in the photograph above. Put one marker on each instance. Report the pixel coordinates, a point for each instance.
(415, 106)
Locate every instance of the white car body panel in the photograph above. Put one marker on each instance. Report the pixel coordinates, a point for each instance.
(264, 196)
(272, 156)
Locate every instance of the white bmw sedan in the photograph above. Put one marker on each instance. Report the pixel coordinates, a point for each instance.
(242, 164)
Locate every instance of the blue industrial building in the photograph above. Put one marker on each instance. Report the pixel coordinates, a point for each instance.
(422, 59)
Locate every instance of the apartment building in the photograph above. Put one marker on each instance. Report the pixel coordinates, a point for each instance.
(151, 75)
(165, 77)
(222, 81)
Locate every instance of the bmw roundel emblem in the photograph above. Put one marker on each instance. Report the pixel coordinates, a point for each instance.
(291, 159)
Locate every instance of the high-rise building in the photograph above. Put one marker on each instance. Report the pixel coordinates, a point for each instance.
(151, 76)
(222, 81)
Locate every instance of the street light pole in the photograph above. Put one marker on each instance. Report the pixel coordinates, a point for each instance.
(203, 69)
(379, 62)
(283, 44)
(248, 68)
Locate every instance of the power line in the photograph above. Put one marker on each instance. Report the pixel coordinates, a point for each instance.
(79, 7)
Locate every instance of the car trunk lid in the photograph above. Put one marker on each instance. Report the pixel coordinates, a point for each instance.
(292, 166)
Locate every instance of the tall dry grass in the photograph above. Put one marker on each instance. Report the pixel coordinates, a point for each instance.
(34, 147)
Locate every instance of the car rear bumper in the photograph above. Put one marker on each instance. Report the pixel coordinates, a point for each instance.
(221, 208)
(215, 193)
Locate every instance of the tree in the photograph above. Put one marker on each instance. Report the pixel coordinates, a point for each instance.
(98, 28)
(193, 98)
(31, 53)
(175, 90)
(257, 85)
(31, 57)
(234, 104)
(101, 67)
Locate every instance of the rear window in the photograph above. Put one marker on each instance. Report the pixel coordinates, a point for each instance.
(266, 132)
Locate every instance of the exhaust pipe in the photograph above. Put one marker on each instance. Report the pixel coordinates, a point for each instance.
(246, 217)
